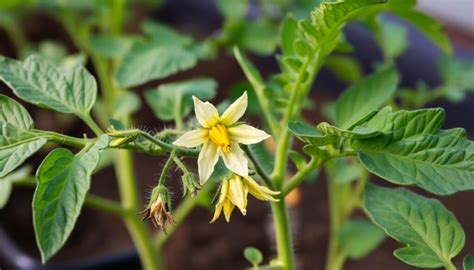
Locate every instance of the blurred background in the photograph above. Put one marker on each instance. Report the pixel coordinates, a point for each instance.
(100, 241)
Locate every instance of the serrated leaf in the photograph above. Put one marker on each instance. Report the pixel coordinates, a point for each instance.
(17, 142)
(167, 98)
(358, 237)
(288, 34)
(468, 263)
(63, 182)
(431, 233)
(366, 96)
(37, 81)
(145, 62)
(413, 150)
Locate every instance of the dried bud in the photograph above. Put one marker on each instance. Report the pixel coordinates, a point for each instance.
(190, 184)
(159, 208)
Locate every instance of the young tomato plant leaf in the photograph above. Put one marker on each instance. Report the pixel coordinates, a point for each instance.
(347, 172)
(345, 68)
(17, 141)
(413, 150)
(431, 233)
(325, 134)
(149, 61)
(63, 182)
(171, 99)
(37, 81)
(392, 38)
(111, 46)
(357, 238)
(366, 96)
(468, 263)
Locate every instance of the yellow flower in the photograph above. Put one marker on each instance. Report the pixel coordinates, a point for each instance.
(220, 136)
(234, 193)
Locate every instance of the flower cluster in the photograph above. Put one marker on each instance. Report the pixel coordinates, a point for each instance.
(220, 136)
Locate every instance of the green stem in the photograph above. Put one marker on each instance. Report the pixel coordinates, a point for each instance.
(332, 262)
(312, 165)
(91, 124)
(64, 139)
(283, 235)
(169, 147)
(15, 33)
(178, 118)
(130, 200)
(167, 167)
(450, 266)
(182, 212)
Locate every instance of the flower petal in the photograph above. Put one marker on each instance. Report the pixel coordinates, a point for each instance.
(207, 159)
(228, 208)
(235, 110)
(217, 212)
(247, 134)
(260, 192)
(192, 138)
(235, 160)
(238, 193)
(206, 113)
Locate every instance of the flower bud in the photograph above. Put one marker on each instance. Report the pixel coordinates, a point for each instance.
(189, 184)
(159, 208)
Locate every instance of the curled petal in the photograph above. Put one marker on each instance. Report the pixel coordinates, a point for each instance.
(206, 113)
(192, 138)
(235, 110)
(247, 134)
(207, 159)
(260, 192)
(235, 160)
(228, 208)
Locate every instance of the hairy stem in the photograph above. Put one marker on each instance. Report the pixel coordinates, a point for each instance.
(283, 234)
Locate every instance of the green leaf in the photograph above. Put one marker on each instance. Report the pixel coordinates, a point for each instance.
(63, 182)
(233, 9)
(164, 35)
(357, 238)
(38, 82)
(259, 37)
(468, 263)
(431, 233)
(458, 77)
(392, 38)
(146, 62)
(429, 26)
(345, 68)
(111, 46)
(289, 33)
(366, 96)
(168, 98)
(17, 141)
(413, 150)
(253, 255)
(346, 171)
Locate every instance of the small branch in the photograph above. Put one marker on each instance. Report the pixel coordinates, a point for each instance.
(167, 167)
(92, 124)
(301, 175)
(169, 147)
(258, 167)
(65, 139)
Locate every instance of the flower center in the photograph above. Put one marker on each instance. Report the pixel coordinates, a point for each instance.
(219, 135)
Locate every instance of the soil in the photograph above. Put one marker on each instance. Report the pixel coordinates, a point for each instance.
(197, 244)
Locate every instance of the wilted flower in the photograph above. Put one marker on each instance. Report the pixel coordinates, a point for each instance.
(158, 209)
(234, 192)
(220, 136)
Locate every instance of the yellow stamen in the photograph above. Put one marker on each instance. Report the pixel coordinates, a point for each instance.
(219, 135)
